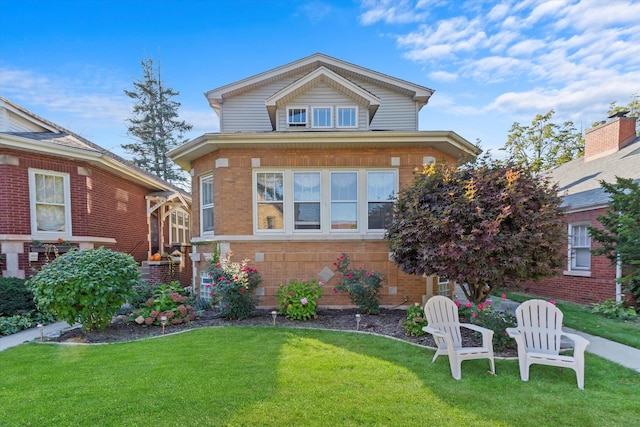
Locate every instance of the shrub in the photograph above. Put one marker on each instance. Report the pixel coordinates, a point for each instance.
(299, 300)
(491, 317)
(415, 321)
(15, 296)
(14, 324)
(614, 310)
(362, 286)
(87, 286)
(232, 287)
(170, 301)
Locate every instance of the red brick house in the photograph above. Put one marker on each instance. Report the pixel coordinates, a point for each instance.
(305, 167)
(54, 185)
(611, 150)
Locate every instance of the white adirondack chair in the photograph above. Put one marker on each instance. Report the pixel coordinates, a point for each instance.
(538, 337)
(444, 325)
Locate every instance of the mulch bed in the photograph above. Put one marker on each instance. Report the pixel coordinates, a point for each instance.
(388, 322)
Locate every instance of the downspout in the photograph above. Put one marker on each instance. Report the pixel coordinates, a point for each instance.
(618, 277)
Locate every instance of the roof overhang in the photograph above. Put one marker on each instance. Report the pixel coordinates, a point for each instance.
(88, 155)
(447, 142)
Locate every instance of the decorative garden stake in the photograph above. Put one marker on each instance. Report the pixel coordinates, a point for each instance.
(41, 326)
(163, 320)
(358, 321)
(274, 314)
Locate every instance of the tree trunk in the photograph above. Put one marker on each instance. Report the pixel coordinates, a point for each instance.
(476, 293)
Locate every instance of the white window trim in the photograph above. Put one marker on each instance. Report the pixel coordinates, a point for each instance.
(185, 226)
(202, 206)
(298, 124)
(325, 203)
(313, 116)
(571, 268)
(67, 204)
(338, 108)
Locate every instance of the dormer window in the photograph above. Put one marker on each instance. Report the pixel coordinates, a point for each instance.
(297, 117)
(322, 117)
(347, 117)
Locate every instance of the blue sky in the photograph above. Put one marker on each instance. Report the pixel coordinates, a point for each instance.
(491, 63)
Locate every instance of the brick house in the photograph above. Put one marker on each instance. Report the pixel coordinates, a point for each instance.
(611, 149)
(305, 167)
(54, 184)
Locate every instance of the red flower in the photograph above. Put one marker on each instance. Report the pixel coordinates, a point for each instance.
(335, 291)
(242, 290)
(458, 304)
(504, 296)
(480, 307)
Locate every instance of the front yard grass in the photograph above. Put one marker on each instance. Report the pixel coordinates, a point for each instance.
(579, 317)
(262, 376)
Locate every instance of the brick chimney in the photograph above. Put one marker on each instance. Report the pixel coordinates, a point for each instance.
(609, 137)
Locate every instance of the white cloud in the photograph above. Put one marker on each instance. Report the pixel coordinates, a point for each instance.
(526, 47)
(392, 11)
(443, 76)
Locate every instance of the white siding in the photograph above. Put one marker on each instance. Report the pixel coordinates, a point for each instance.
(248, 113)
(13, 123)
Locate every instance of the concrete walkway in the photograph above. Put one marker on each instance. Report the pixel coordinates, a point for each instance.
(621, 354)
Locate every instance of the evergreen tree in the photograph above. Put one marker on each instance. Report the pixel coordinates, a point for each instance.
(154, 125)
(544, 144)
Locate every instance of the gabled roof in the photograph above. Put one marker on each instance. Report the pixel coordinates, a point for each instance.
(579, 181)
(309, 81)
(55, 140)
(311, 63)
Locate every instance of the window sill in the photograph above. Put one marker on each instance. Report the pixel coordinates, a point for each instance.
(579, 273)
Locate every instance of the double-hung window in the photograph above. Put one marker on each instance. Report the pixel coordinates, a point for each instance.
(270, 200)
(322, 117)
(206, 204)
(347, 117)
(180, 227)
(50, 195)
(344, 200)
(297, 117)
(381, 188)
(306, 200)
(580, 247)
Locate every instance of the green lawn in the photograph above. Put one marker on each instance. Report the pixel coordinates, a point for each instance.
(260, 376)
(579, 317)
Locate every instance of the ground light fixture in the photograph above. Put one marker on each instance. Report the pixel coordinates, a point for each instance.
(358, 318)
(274, 314)
(41, 327)
(163, 321)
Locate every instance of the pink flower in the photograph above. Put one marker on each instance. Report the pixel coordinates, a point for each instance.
(468, 305)
(242, 290)
(321, 283)
(304, 301)
(480, 307)
(207, 286)
(368, 274)
(487, 303)
(349, 276)
(552, 302)
(458, 304)
(218, 265)
(212, 294)
(474, 315)
(335, 291)
(504, 296)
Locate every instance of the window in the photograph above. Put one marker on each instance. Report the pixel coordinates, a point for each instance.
(381, 187)
(49, 195)
(206, 204)
(270, 200)
(205, 285)
(347, 117)
(297, 117)
(322, 118)
(580, 247)
(344, 200)
(180, 227)
(323, 202)
(306, 200)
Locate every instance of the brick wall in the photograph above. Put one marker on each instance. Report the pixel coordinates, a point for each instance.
(103, 205)
(599, 286)
(609, 137)
(297, 259)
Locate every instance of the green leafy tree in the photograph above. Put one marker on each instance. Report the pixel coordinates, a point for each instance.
(87, 286)
(488, 224)
(154, 125)
(633, 107)
(620, 237)
(544, 144)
